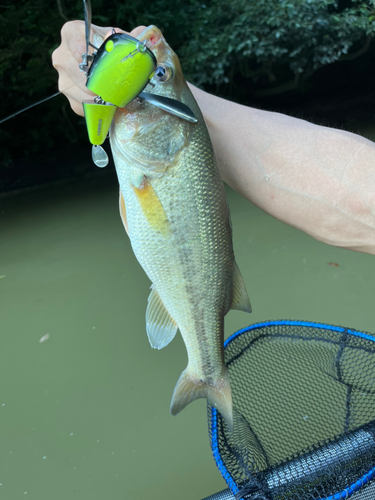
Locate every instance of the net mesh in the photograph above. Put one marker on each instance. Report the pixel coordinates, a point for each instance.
(304, 413)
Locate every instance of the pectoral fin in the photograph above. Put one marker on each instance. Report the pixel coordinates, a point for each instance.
(151, 206)
(160, 327)
(123, 212)
(240, 300)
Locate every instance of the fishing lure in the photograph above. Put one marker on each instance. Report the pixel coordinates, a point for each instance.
(117, 72)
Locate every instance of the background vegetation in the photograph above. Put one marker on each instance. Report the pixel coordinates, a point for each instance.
(311, 58)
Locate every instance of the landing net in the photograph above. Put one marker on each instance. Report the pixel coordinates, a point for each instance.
(304, 404)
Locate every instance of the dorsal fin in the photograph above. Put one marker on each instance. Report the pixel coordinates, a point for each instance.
(160, 326)
(240, 300)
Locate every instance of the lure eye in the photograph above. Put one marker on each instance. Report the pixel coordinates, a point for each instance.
(162, 73)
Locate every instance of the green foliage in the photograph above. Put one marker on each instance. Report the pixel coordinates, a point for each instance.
(29, 32)
(268, 40)
(279, 39)
(266, 45)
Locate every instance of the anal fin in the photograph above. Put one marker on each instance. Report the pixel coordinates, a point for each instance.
(160, 326)
(240, 300)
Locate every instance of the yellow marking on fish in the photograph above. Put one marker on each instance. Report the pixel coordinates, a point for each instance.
(123, 213)
(151, 206)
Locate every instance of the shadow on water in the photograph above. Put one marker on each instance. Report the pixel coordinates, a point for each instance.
(84, 400)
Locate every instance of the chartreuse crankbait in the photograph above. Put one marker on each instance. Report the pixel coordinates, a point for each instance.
(119, 70)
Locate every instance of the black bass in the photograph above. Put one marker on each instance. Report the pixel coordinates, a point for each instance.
(178, 222)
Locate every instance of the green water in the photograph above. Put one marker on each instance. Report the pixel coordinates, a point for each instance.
(84, 414)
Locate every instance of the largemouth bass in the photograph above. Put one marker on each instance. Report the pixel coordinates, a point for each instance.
(173, 205)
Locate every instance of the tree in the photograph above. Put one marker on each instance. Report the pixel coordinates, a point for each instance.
(276, 42)
(256, 47)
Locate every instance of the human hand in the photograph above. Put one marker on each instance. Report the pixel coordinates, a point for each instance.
(67, 57)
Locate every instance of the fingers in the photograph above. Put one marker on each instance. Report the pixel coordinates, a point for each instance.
(67, 57)
(65, 61)
(137, 31)
(116, 30)
(134, 33)
(74, 92)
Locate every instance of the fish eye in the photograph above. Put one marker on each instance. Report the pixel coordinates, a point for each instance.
(163, 73)
(160, 72)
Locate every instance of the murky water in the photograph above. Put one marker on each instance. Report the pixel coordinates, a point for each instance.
(84, 400)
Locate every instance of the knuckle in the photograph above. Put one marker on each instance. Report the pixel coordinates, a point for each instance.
(59, 85)
(76, 107)
(55, 54)
(70, 27)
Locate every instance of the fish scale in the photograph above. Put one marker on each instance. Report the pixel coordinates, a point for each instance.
(179, 227)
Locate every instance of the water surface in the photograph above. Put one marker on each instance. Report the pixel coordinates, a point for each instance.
(84, 400)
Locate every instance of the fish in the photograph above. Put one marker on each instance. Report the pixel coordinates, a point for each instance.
(174, 209)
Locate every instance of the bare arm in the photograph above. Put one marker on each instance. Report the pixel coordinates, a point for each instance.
(318, 179)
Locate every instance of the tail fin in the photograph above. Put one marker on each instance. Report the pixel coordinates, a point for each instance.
(218, 393)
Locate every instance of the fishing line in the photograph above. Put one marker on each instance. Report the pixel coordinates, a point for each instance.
(31, 106)
(64, 90)
(42, 100)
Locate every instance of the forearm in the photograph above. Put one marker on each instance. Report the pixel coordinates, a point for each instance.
(317, 179)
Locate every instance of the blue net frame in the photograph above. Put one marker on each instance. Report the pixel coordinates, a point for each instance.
(237, 485)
